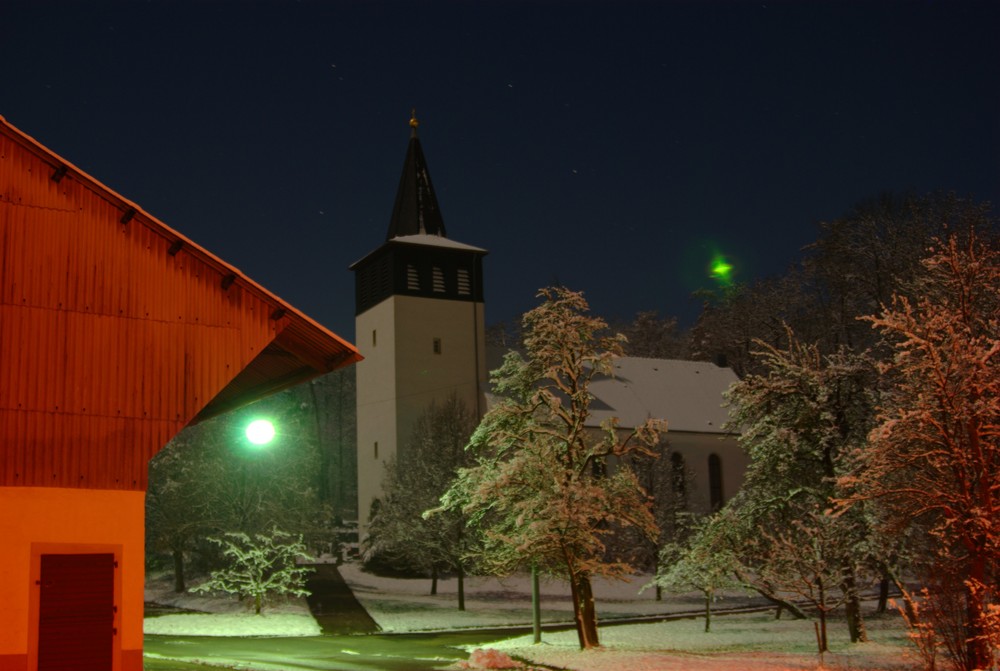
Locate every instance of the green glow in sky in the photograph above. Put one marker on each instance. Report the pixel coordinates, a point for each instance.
(721, 270)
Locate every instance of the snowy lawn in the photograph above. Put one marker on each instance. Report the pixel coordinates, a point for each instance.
(751, 642)
(754, 642)
(400, 605)
(219, 616)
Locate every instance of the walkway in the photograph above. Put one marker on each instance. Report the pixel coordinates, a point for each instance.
(333, 604)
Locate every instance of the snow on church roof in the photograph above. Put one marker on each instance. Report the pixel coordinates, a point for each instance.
(430, 240)
(688, 394)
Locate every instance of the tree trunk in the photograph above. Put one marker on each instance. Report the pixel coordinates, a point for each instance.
(258, 601)
(823, 646)
(910, 608)
(179, 584)
(574, 592)
(584, 613)
(461, 587)
(852, 608)
(883, 597)
(434, 581)
(588, 612)
(978, 653)
(855, 620)
(536, 606)
(708, 611)
(797, 612)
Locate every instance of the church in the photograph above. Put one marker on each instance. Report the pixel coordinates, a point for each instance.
(420, 326)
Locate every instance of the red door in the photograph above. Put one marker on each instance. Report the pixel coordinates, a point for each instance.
(76, 612)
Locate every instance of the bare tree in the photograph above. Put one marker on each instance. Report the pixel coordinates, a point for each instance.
(856, 264)
(652, 336)
(934, 459)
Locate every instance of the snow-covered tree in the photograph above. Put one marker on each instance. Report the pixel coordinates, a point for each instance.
(545, 489)
(260, 567)
(692, 563)
(799, 423)
(399, 533)
(934, 459)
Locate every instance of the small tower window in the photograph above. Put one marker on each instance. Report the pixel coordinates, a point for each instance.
(376, 449)
(437, 345)
(464, 283)
(374, 337)
(438, 279)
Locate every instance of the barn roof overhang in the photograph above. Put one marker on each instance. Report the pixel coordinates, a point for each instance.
(302, 348)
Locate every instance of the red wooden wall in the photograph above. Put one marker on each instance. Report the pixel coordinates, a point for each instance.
(115, 331)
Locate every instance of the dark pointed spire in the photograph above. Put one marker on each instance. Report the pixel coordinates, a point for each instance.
(416, 210)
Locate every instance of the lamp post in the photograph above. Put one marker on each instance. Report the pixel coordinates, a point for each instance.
(259, 433)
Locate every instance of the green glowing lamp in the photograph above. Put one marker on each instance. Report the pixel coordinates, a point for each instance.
(721, 269)
(260, 432)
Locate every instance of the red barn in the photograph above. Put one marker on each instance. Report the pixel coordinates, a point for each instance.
(115, 332)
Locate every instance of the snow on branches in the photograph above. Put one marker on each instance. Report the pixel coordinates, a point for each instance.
(260, 568)
(933, 461)
(547, 489)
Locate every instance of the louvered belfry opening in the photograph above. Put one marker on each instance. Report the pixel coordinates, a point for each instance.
(76, 612)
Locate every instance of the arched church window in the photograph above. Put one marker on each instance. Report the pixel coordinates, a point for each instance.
(715, 482)
(678, 476)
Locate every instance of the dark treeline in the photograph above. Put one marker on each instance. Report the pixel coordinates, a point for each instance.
(210, 480)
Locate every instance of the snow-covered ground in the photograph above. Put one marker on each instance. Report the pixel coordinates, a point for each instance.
(219, 616)
(755, 642)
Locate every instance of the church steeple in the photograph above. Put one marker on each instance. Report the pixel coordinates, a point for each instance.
(416, 211)
(419, 324)
(417, 257)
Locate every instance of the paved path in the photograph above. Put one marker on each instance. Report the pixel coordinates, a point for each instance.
(333, 604)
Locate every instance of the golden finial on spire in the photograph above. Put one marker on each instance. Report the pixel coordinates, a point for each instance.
(413, 119)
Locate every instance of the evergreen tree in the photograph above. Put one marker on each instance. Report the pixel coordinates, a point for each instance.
(400, 534)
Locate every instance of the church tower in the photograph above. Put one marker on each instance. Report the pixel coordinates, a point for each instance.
(419, 319)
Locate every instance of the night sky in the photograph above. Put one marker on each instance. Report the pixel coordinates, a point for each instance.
(609, 146)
